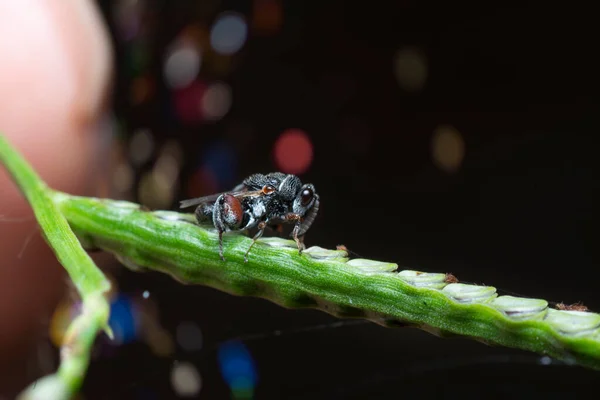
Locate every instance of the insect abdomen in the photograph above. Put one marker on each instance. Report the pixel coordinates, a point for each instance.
(232, 212)
(204, 213)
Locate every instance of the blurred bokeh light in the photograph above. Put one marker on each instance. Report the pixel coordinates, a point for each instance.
(410, 67)
(188, 102)
(182, 64)
(141, 146)
(201, 183)
(64, 314)
(238, 369)
(142, 89)
(185, 379)
(293, 151)
(448, 148)
(123, 321)
(220, 161)
(189, 336)
(126, 16)
(267, 16)
(228, 34)
(216, 101)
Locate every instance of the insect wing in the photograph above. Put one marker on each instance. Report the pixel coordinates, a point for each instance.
(199, 200)
(244, 193)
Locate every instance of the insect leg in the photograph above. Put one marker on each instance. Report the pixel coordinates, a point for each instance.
(217, 217)
(221, 245)
(296, 230)
(299, 240)
(261, 228)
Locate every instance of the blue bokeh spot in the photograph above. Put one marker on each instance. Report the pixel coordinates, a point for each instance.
(237, 366)
(122, 320)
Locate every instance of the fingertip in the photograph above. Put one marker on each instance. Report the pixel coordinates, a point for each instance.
(54, 79)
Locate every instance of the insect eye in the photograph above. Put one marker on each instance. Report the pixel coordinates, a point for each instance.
(306, 196)
(268, 189)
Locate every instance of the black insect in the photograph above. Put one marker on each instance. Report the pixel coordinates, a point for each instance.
(260, 201)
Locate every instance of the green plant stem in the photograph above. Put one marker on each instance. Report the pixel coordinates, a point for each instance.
(325, 279)
(87, 278)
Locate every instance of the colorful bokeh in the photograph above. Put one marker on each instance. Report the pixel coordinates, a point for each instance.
(293, 151)
(238, 369)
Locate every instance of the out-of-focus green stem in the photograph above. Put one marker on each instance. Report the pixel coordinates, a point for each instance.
(87, 278)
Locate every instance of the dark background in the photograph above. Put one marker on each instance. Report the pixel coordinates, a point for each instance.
(520, 213)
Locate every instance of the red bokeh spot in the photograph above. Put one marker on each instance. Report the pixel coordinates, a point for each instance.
(293, 151)
(267, 16)
(202, 182)
(187, 102)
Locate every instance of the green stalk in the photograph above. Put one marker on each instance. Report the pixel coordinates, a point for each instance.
(88, 279)
(170, 242)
